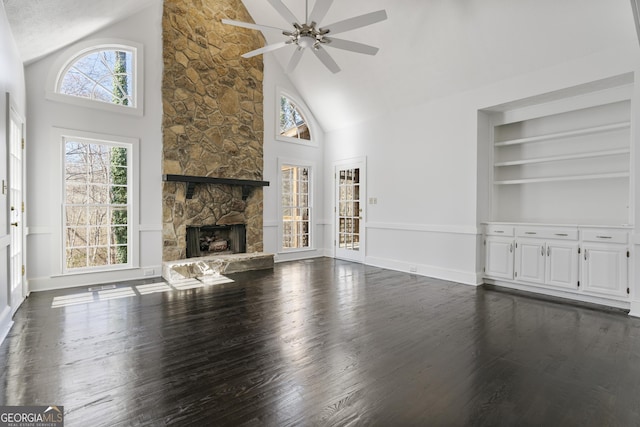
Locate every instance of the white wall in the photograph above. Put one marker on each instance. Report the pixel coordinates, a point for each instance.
(422, 168)
(12, 82)
(44, 258)
(274, 149)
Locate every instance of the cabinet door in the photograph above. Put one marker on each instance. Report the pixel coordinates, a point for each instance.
(530, 257)
(604, 269)
(499, 258)
(562, 265)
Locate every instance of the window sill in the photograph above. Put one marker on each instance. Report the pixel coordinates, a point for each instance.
(294, 251)
(97, 271)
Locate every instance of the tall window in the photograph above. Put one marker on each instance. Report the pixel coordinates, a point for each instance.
(96, 204)
(292, 122)
(296, 206)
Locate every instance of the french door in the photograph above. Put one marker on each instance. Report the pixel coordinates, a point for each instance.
(349, 209)
(16, 210)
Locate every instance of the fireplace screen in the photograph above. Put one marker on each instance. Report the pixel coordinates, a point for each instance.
(216, 240)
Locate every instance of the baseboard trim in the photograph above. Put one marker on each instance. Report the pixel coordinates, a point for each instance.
(458, 276)
(5, 323)
(624, 305)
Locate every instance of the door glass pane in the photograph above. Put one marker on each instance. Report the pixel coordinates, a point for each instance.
(349, 209)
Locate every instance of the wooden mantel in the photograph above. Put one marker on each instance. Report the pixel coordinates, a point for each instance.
(246, 184)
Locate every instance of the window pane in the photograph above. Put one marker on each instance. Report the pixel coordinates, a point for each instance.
(98, 256)
(119, 255)
(76, 236)
(119, 235)
(76, 193)
(75, 215)
(76, 258)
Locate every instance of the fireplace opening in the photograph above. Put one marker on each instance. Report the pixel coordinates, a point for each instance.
(216, 240)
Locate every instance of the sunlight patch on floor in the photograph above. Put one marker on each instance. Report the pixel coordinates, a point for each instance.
(74, 299)
(95, 295)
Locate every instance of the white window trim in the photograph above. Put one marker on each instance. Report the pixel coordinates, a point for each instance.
(312, 221)
(72, 54)
(306, 113)
(58, 136)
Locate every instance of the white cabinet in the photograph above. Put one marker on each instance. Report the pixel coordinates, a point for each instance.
(605, 262)
(530, 260)
(604, 269)
(591, 263)
(547, 262)
(499, 257)
(562, 265)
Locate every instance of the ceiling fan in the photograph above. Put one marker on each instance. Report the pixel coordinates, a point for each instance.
(309, 35)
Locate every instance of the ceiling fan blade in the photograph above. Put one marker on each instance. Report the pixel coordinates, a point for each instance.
(250, 25)
(356, 22)
(295, 60)
(319, 11)
(283, 11)
(326, 59)
(267, 48)
(351, 46)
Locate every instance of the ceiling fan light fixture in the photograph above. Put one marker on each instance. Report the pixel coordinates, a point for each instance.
(306, 41)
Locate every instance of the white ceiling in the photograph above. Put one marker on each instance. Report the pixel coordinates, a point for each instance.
(428, 48)
(43, 26)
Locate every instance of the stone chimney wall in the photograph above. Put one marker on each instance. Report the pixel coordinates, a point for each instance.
(212, 120)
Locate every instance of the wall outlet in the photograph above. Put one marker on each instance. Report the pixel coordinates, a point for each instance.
(149, 272)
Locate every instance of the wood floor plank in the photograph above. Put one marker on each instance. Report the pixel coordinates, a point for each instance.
(324, 342)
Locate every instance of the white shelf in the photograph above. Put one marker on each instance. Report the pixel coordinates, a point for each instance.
(559, 135)
(563, 178)
(564, 157)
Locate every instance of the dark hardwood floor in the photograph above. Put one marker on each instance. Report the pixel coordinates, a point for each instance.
(325, 342)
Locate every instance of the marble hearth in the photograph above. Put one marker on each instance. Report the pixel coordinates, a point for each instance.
(215, 265)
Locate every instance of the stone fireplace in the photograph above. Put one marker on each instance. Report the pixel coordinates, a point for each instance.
(212, 123)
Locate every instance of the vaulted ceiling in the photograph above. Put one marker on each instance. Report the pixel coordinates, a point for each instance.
(428, 48)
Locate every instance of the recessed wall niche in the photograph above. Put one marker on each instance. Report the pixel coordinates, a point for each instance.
(560, 158)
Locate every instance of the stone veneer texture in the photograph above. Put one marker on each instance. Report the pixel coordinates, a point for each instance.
(212, 119)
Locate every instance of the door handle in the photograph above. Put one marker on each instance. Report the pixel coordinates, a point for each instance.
(15, 224)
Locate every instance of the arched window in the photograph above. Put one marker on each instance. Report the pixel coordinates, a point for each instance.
(292, 122)
(104, 75)
(99, 74)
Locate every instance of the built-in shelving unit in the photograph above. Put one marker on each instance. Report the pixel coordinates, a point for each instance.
(569, 164)
(558, 179)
